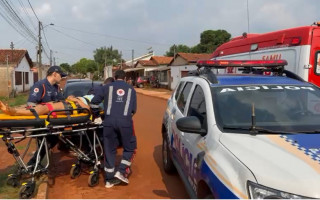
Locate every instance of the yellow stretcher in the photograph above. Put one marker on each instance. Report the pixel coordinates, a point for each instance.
(81, 116)
(78, 123)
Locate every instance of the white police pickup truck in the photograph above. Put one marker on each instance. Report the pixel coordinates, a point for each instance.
(244, 135)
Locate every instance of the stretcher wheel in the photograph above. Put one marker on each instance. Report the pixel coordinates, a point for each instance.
(27, 190)
(12, 180)
(75, 171)
(93, 179)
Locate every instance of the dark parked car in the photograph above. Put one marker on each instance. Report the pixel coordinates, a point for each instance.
(80, 88)
(78, 80)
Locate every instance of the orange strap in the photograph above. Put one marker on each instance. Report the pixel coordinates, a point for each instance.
(50, 107)
(44, 92)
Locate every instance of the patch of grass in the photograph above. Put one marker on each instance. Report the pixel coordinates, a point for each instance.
(20, 99)
(6, 191)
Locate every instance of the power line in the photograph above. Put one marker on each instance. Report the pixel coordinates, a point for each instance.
(14, 18)
(67, 35)
(45, 38)
(114, 37)
(27, 14)
(11, 19)
(33, 11)
(17, 18)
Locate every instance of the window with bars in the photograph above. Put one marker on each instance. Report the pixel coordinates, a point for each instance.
(18, 78)
(163, 76)
(26, 77)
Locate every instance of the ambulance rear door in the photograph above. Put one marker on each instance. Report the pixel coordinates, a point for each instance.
(314, 72)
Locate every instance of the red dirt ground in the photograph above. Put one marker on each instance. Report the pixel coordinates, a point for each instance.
(148, 179)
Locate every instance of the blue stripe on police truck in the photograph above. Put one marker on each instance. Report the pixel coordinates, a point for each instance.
(218, 188)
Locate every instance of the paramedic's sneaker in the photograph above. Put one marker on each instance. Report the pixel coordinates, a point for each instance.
(112, 182)
(121, 177)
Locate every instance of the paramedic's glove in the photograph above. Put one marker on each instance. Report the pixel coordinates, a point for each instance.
(97, 121)
(30, 105)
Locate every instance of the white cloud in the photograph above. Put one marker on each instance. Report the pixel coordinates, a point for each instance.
(127, 5)
(156, 21)
(44, 9)
(276, 15)
(77, 12)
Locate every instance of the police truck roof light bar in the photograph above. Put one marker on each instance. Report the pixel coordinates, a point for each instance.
(241, 63)
(246, 66)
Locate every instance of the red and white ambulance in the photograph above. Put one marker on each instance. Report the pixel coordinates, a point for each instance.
(300, 46)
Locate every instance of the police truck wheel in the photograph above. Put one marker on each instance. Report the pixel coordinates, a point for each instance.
(93, 179)
(166, 157)
(75, 171)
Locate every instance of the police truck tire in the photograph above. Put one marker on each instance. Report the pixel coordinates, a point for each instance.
(166, 157)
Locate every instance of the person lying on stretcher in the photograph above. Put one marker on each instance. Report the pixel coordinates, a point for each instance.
(45, 108)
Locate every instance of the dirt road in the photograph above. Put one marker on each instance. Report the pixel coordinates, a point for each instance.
(148, 179)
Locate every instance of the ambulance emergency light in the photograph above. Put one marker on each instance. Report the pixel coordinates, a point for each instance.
(241, 63)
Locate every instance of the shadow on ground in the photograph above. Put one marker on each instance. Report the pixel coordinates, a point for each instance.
(171, 181)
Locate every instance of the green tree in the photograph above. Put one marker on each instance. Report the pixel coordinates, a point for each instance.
(66, 67)
(108, 55)
(210, 40)
(181, 48)
(84, 65)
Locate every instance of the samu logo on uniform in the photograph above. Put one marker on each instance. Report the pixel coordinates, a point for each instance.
(120, 93)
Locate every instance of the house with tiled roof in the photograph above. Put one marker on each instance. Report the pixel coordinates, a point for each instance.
(16, 73)
(182, 64)
(162, 71)
(155, 66)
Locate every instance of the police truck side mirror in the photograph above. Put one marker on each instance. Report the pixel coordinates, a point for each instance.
(190, 124)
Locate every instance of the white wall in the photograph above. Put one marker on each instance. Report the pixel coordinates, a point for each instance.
(176, 73)
(23, 67)
(297, 57)
(107, 72)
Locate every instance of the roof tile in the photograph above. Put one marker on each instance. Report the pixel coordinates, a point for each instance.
(15, 56)
(162, 60)
(193, 57)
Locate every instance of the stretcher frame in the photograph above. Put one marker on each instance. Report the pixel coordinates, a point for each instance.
(41, 128)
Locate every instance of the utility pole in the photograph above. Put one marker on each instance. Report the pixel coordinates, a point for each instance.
(51, 57)
(11, 47)
(8, 75)
(132, 58)
(121, 58)
(39, 53)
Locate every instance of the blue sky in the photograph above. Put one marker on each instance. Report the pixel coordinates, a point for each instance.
(81, 26)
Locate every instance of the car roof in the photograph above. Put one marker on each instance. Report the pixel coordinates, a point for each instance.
(83, 83)
(78, 80)
(250, 79)
(246, 79)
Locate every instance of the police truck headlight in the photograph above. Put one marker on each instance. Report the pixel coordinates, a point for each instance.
(257, 191)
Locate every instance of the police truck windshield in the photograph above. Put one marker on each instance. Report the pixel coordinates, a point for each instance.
(292, 108)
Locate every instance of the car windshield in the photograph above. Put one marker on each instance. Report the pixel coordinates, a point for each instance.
(79, 89)
(293, 108)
